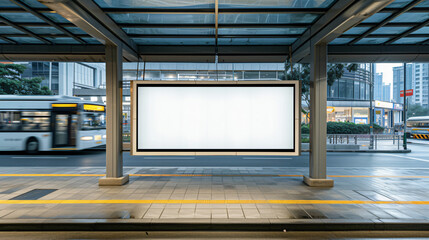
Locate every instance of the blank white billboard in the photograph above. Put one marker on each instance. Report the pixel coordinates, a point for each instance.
(215, 117)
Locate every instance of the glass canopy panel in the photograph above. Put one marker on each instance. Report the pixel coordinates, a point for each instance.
(260, 31)
(75, 30)
(56, 17)
(90, 40)
(21, 17)
(410, 40)
(398, 3)
(44, 30)
(34, 3)
(155, 4)
(340, 41)
(62, 40)
(376, 18)
(390, 30)
(256, 41)
(423, 30)
(26, 40)
(357, 30)
(425, 3)
(372, 41)
(412, 17)
(174, 41)
(2, 42)
(163, 18)
(6, 3)
(267, 18)
(275, 4)
(170, 31)
(9, 30)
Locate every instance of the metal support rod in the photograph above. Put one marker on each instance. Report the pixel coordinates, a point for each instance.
(371, 110)
(405, 107)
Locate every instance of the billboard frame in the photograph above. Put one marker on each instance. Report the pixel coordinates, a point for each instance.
(296, 151)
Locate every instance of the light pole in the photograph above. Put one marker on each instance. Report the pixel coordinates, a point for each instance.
(404, 111)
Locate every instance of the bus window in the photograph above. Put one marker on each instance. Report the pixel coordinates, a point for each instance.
(35, 124)
(93, 121)
(9, 121)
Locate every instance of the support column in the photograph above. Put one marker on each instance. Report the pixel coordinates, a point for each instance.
(318, 102)
(114, 164)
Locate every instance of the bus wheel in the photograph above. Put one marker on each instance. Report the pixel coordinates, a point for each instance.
(32, 146)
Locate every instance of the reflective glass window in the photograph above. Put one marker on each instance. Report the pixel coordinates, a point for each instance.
(425, 4)
(356, 90)
(268, 75)
(256, 41)
(410, 40)
(334, 89)
(9, 30)
(34, 3)
(25, 40)
(251, 75)
(155, 4)
(274, 4)
(376, 18)
(56, 17)
(423, 30)
(10, 121)
(349, 89)
(93, 120)
(398, 3)
(260, 31)
(170, 31)
(168, 75)
(357, 30)
(21, 17)
(163, 18)
(390, 30)
(267, 18)
(75, 30)
(62, 40)
(412, 17)
(7, 3)
(35, 124)
(372, 40)
(44, 30)
(340, 41)
(174, 41)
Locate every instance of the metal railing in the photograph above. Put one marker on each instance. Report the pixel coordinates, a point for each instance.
(365, 141)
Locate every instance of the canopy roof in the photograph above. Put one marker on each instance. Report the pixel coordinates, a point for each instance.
(198, 30)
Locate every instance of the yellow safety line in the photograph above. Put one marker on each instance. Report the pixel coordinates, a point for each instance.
(125, 201)
(201, 175)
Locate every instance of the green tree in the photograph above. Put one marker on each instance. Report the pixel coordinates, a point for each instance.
(415, 110)
(301, 72)
(11, 81)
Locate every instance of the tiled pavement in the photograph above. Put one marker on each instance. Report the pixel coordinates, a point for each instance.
(151, 188)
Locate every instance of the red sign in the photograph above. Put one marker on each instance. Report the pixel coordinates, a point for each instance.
(409, 92)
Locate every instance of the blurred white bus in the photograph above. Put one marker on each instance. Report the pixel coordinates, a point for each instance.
(49, 123)
(418, 127)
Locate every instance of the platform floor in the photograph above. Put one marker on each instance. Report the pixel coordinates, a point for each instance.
(201, 194)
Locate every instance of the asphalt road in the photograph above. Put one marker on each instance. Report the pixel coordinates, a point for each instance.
(418, 158)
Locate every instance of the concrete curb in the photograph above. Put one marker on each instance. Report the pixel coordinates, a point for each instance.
(212, 225)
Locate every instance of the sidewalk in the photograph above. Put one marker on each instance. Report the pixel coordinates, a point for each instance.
(214, 198)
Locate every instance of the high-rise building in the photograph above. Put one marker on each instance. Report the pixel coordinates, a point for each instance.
(386, 92)
(378, 86)
(420, 84)
(398, 81)
(62, 77)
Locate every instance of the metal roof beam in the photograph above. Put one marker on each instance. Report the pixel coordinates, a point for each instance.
(408, 32)
(90, 18)
(47, 20)
(385, 21)
(28, 32)
(342, 16)
(2, 37)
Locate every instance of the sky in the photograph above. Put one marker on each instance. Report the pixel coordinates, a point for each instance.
(386, 69)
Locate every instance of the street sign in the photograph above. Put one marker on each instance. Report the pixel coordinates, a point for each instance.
(409, 92)
(215, 118)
